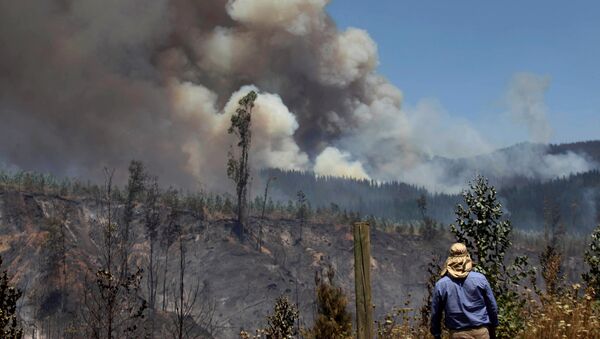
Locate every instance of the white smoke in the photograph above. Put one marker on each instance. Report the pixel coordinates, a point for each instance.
(333, 162)
(562, 165)
(272, 139)
(228, 50)
(273, 142)
(351, 56)
(525, 100)
(298, 17)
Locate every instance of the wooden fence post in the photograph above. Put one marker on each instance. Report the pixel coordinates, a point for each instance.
(362, 280)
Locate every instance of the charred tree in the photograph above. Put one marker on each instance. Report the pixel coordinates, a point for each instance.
(135, 187)
(112, 305)
(169, 236)
(152, 218)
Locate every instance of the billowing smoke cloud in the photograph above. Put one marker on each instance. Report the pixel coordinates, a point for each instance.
(88, 83)
(333, 162)
(272, 142)
(525, 100)
(298, 17)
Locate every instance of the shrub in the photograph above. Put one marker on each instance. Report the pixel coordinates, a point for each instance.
(333, 319)
(403, 322)
(592, 259)
(568, 315)
(281, 322)
(8, 305)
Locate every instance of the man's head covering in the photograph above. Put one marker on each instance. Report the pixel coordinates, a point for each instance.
(459, 264)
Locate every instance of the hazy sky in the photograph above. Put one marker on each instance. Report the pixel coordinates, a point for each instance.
(463, 54)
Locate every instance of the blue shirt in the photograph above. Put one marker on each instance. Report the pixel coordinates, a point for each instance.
(467, 302)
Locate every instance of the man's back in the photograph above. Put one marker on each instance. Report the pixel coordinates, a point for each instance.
(466, 301)
(465, 296)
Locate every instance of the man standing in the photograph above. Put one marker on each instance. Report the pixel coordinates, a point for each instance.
(466, 298)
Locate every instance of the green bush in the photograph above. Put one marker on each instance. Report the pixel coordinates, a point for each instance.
(281, 322)
(480, 227)
(592, 259)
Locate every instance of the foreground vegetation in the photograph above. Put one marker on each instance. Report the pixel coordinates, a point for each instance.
(525, 311)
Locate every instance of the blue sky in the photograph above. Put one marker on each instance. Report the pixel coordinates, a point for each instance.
(463, 54)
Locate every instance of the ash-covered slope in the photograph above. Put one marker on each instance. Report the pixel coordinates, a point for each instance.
(240, 280)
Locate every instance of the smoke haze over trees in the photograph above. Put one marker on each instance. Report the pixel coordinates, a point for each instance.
(92, 83)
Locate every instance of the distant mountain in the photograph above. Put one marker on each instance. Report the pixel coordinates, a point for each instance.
(590, 148)
(529, 177)
(521, 163)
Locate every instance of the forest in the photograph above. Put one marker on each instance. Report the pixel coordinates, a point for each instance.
(575, 196)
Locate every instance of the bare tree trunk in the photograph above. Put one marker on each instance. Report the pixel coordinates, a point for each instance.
(152, 289)
(152, 278)
(109, 314)
(262, 215)
(152, 222)
(64, 267)
(135, 186)
(181, 285)
(164, 291)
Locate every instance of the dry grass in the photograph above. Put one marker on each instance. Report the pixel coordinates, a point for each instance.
(574, 314)
(402, 323)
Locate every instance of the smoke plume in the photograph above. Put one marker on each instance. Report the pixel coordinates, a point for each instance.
(87, 84)
(333, 162)
(525, 100)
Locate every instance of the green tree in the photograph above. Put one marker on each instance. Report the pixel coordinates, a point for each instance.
(8, 307)
(592, 259)
(238, 168)
(428, 227)
(480, 228)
